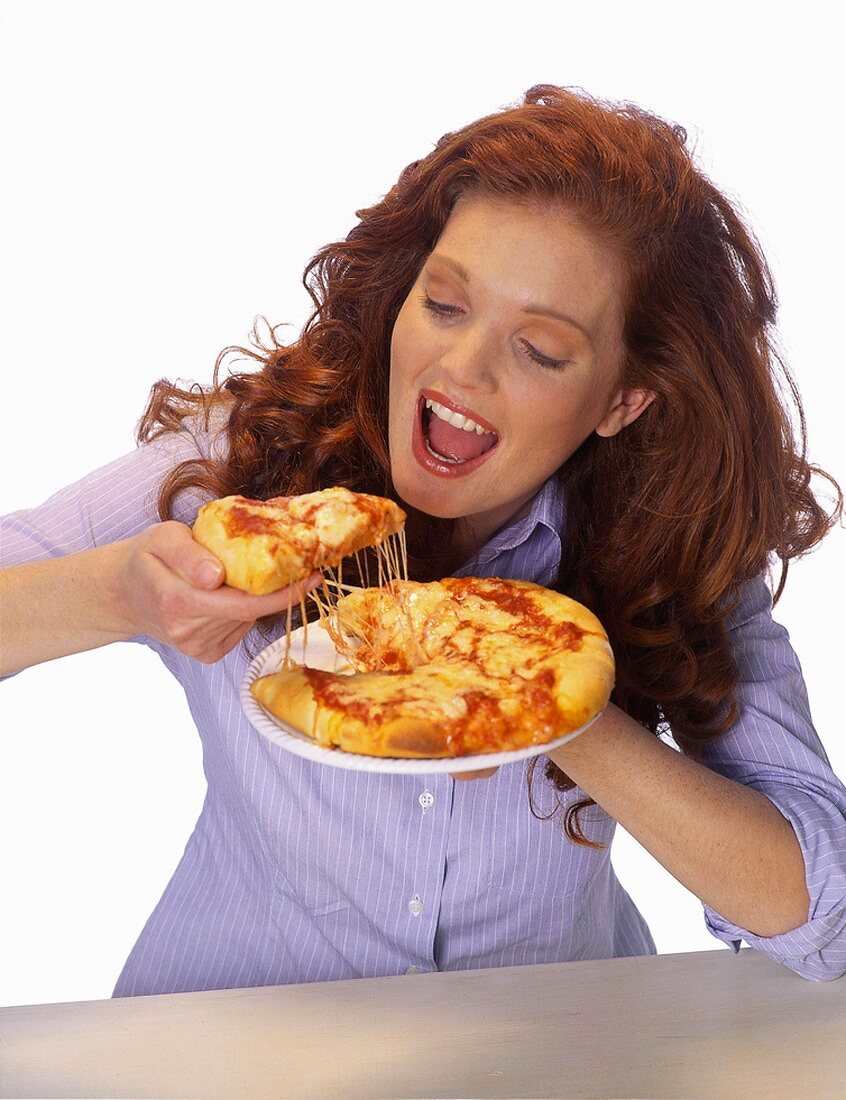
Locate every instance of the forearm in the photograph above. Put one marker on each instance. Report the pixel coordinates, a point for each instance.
(725, 842)
(160, 583)
(64, 605)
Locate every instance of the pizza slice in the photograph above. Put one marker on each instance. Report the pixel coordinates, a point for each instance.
(267, 545)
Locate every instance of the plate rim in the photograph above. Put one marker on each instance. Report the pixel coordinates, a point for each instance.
(296, 742)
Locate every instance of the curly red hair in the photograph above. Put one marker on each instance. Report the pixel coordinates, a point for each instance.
(665, 519)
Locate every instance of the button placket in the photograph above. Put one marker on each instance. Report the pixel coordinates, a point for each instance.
(429, 803)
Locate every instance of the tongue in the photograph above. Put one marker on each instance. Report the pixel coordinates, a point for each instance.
(452, 442)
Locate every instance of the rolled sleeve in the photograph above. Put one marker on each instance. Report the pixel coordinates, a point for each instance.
(817, 949)
(774, 748)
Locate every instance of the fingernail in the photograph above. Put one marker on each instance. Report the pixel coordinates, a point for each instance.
(208, 573)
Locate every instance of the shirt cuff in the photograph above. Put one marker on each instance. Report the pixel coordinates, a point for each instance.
(816, 950)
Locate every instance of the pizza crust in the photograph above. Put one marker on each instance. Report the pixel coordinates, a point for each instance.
(257, 563)
(289, 695)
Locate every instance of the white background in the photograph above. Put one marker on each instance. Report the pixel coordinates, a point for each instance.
(168, 170)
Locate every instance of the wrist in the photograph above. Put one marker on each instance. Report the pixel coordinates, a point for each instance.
(58, 606)
(116, 616)
(613, 740)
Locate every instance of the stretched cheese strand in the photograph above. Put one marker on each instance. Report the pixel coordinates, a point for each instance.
(374, 641)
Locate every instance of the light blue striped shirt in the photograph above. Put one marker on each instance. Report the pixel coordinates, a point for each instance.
(298, 872)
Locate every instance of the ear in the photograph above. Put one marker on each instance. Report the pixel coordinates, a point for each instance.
(625, 406)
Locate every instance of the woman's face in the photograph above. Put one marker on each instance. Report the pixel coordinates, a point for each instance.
(514, 322)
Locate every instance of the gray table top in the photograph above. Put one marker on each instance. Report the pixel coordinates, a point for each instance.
(704, 1024)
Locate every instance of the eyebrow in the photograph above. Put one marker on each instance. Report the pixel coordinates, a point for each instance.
(540, 311)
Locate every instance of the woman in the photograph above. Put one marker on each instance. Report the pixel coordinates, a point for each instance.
(562, 277)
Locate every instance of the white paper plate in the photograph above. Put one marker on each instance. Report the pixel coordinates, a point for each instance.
(321, 653)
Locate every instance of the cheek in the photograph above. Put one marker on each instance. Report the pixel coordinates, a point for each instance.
(401, 360)
(555, 424)
(399, 357)
(403, 332)
(401, 373)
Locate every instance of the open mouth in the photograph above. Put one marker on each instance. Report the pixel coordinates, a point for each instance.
(449, 439)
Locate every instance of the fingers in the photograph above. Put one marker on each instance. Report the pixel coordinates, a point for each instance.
(177, 594)
(209, 650)
(174, 545)
(232, 606)
(483, 773)
(210, 637)
(236, 606)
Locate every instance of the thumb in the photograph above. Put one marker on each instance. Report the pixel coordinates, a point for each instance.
(208, 572)
(173, 544)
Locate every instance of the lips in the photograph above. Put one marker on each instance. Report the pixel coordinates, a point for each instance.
(434, 463)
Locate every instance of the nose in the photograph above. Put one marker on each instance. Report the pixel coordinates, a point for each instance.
(469, 358)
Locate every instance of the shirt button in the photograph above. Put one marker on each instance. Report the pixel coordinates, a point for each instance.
(415, 906)
(413, 970)
(426, 800)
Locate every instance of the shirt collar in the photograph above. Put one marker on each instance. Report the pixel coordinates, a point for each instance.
(547, 513)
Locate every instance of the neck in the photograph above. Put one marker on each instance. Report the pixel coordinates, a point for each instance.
(472, 532)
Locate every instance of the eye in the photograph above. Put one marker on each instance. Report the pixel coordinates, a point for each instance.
(544, 360)
(440, 309)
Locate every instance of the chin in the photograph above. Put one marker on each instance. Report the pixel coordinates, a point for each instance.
(429, 504)
(424, 499)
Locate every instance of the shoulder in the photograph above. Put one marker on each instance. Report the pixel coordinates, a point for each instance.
(761, 646)
(199, 441)
(754, 602)
(199, 435)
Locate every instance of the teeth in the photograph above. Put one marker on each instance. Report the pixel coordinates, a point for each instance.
(456, 419)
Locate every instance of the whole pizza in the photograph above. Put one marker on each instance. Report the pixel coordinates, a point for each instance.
(450, 668)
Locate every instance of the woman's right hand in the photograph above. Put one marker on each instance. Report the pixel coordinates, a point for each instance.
(160, 582)
(172, 588)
